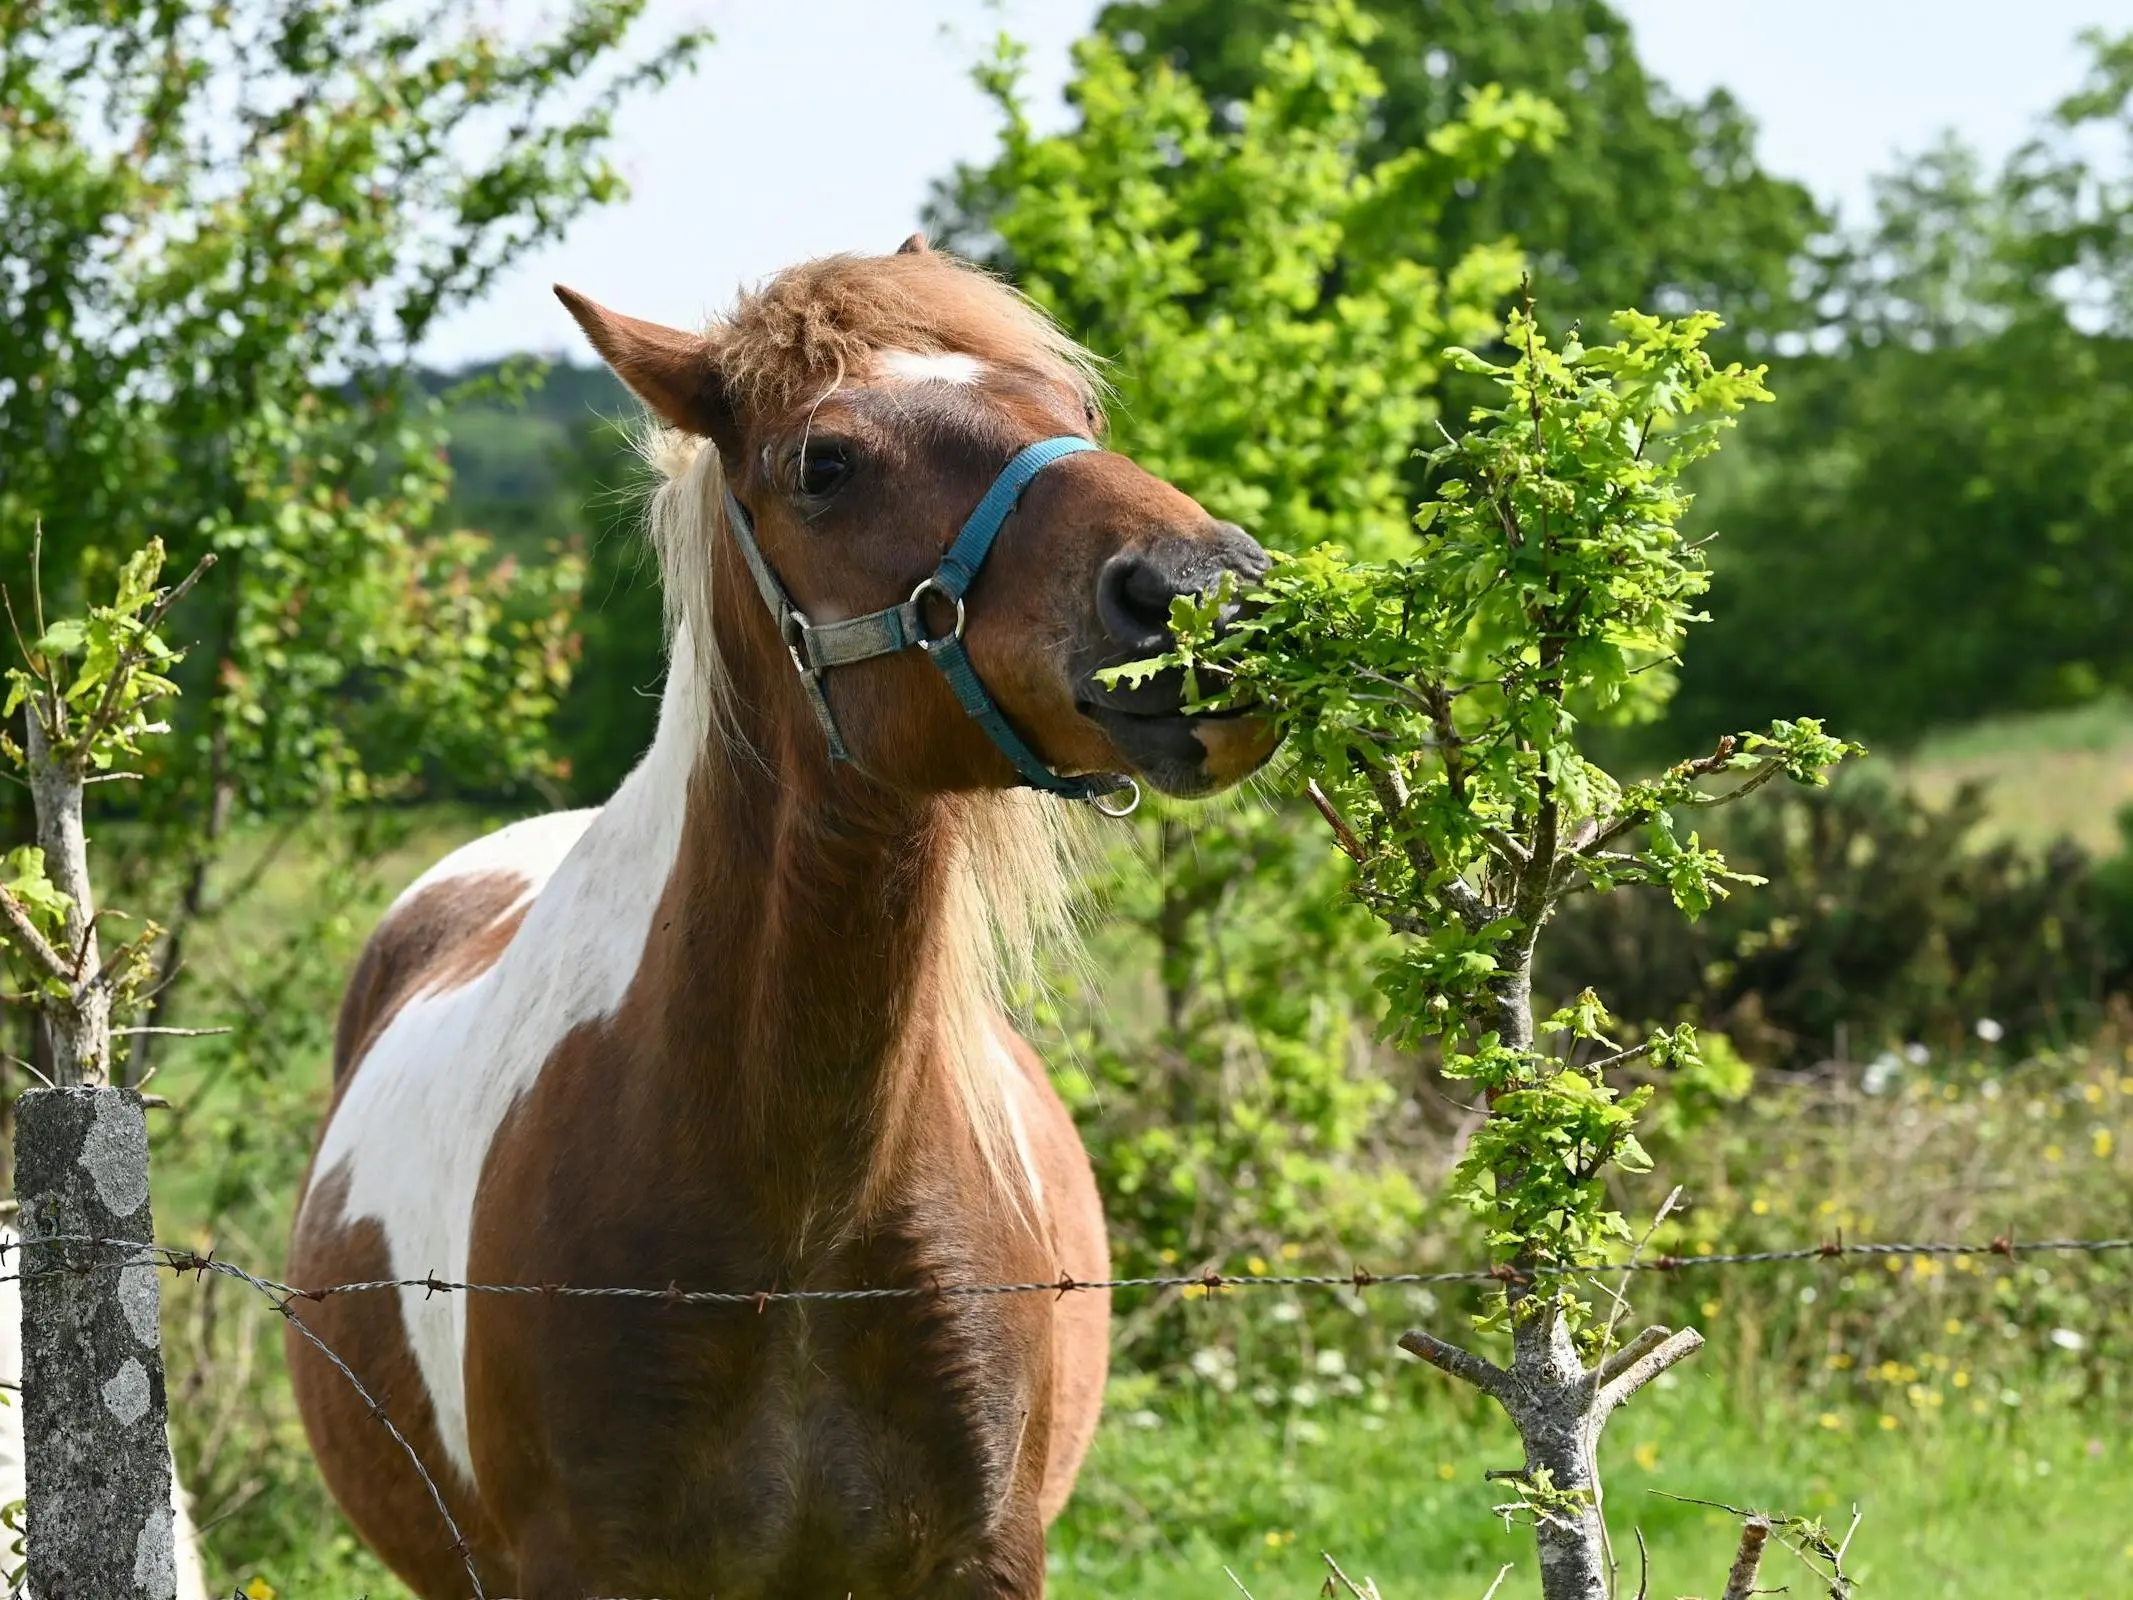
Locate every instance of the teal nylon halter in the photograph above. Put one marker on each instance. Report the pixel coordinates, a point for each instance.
(816, 647)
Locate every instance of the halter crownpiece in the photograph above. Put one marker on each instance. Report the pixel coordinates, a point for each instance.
(816, 647)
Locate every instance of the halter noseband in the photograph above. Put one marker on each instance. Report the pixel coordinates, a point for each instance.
(815, 648)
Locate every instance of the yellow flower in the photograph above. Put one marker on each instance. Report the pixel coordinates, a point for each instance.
(1760, 1207)
(2125, 1085)
(1961, 1380)
(1256, 1266)
(1277, 1537)
(1895, 1263)
(1447, 1471)
(1290, 1252)
(2102, 1143)
(1829, 1419)
(1710, 1308)
(2053, 1153)
(1953, 1325)
(257, 1588)
(1842, 1360)
(2092, 1093)
(1888, 1422)
(1925, 1267)
(1646, 1455)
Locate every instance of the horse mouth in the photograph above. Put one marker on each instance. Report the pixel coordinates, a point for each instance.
(1180, 752)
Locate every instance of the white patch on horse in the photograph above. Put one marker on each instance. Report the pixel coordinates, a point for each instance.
(413, 1129)
(945, 366)
(1014, 1089)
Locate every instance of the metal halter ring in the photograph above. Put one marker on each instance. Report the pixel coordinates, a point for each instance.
(1126, 810)
(936, 586)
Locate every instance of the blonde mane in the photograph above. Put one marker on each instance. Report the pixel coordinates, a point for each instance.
(1013, 853)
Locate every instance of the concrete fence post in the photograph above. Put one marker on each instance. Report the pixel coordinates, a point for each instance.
(94, 1411)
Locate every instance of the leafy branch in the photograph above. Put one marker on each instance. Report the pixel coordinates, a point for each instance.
(90, 688)
(1433, 705)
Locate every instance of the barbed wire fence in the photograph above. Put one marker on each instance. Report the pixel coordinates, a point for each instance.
(95, 1252)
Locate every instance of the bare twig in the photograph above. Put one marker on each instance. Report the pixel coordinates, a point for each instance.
(1674, 1348)
(1368, 1590)
(1350, 845)
(1464, 1365)
(17, 917)
(1748, 1560)
(1502, 1573)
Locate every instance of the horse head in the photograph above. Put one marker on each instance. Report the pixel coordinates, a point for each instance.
(865, 414)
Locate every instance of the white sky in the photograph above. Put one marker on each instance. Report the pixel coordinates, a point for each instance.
(816, 125)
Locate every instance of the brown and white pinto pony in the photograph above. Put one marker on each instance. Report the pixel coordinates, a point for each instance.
(739, 1028)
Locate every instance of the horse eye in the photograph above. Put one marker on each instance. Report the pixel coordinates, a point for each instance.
(824, 467)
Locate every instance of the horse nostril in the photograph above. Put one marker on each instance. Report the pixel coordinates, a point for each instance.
(1133, 598)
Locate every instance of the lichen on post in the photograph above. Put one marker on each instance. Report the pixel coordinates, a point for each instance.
(94, 1409)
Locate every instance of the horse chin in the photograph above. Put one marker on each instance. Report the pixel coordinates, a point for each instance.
(1187, 756)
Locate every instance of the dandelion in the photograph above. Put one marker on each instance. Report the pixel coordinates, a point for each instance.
(1447, 1471)
(1961, 1379)
(1830, 1420)
(2068, 1339)
(1646, 1455)
(1277, 1537)
(1953, 1326)
(1889, 1423)
(1990, 1031)
(2053, 1153)
(1256, 1266)
(1760, 1206)
(2102, 1144)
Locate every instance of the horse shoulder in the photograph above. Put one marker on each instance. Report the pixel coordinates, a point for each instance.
(1074, 1216)
(450, 925)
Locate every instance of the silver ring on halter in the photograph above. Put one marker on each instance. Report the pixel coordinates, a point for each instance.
(935, 585)
(1126, 810)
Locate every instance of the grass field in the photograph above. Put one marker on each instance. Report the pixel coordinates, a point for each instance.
(2007, 1507)
(2056, 774)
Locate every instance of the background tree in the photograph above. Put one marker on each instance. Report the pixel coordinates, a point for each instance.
(228, 226)
(1937, 503)
(1643, 199)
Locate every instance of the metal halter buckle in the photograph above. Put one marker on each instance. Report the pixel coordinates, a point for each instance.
(1132, 805)
(933, 583)
(795, 632)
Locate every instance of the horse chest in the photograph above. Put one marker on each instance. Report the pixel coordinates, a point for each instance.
(810, 1447)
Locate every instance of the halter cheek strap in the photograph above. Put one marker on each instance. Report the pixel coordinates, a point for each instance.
(815, 648)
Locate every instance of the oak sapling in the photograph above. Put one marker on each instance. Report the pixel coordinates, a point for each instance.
(1432, 705)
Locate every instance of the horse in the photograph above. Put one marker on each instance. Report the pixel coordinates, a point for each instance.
(741, 1028)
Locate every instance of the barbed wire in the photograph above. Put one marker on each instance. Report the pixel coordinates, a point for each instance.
(285, 1298)
(1356, 1279)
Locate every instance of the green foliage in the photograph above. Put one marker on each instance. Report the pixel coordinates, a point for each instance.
(1282, 378)
(1434, 703)
(1268, 364)
(1931, 521)
(229, 226)
(1885, 925)
(1640, 200)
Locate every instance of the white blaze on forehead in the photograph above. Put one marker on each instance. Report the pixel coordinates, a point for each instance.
(946, 366)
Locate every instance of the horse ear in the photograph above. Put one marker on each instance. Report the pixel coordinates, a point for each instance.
(674, 373)
(915, 246)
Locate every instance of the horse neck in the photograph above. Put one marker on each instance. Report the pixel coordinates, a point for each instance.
(795, 979)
